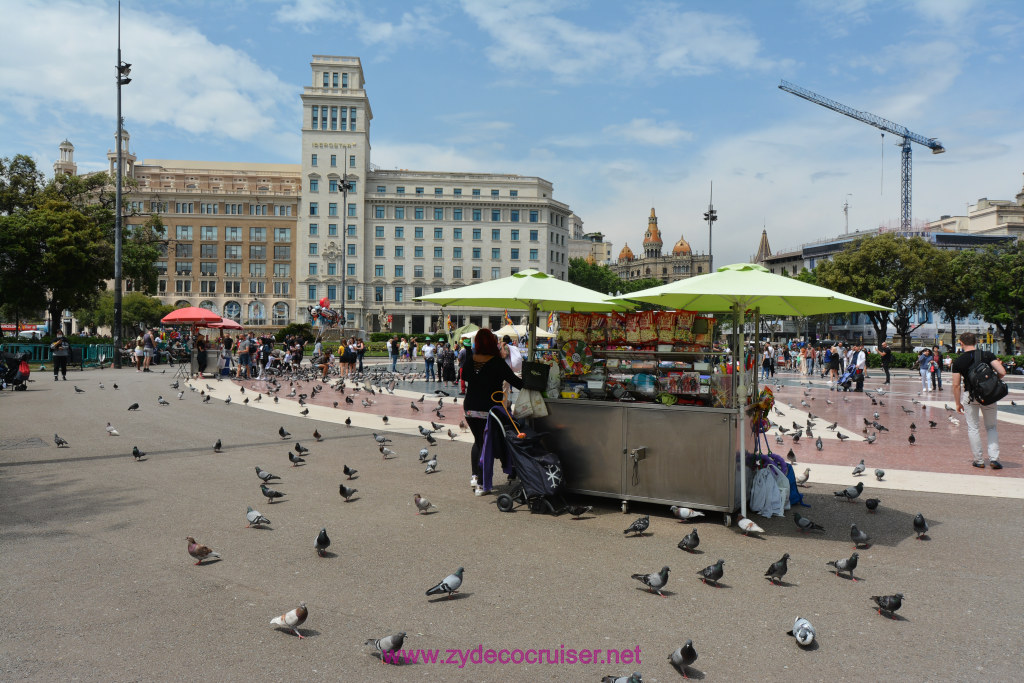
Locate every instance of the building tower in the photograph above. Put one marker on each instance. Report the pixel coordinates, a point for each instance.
(66, 165)
(652, 238)
(335, 145)
(127, 157)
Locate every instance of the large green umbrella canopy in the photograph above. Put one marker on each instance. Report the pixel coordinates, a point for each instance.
(458, 332)
(525, 290)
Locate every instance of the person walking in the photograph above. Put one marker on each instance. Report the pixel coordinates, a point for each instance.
(860, 364)
(393, 353)
(465, 358)
(766, 362)
(976, 413)
(60, 351)
(937, 359)
(148, 350)
(886, 353)
(924, 366)
(201, 354)
(428, 361)
(243, 358)
(810, 360)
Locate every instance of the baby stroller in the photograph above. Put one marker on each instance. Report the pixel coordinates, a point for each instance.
(16, 370)
(846, 379)
(537, 471)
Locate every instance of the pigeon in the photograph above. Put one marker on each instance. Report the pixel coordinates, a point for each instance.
(175, 385)
(254, 518)
(913, 427)
(264, 475)
(850, 492)
(802, 631)
(452, 435)
(841, 436)
(796, 437)
(778, 569)
(879, 474)
(712, 572)
(348, 421)
(423, 454)
(876, 416)
(431, 440)
(431, 465)
(639, 526)
(79, 391)
(779, 439)
(384, 419)
(381, 439)
(115, 386)
(245, 402)
(832, 427)
(847, 564)
(270, 493)
(872, 504)
(748, 526)
(162, 401)
(578, 511)
(422, 504)
(322, 542)
(207, 399)
(871, 438)
(690, 541)
(216, 446)
(462, 425)
(436, 426)
(346, 492)
(293, 619)
(61, 443)
(388, 645)
(685, 513)
(888, 603)
(858, 537)
(932, 424)
(294, 459)
(802, 479)
(805, 524)
(200, 552)
(137, 454)
(911, 440)
(423, 430)
(654, 582)
(386, 452)
(920, 526)
(683, 657)
(348, 471)
(259, 397)
(450, 585)
(818, 444)
(300, 449)
(181, 395)
(112, 431)
(304, 412)
(859, 469)
(317, 435)
(283, 433)
(414, 406)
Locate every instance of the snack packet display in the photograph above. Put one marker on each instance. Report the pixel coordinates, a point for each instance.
(666, 323)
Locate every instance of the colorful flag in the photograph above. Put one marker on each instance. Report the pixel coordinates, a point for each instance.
(508, 321)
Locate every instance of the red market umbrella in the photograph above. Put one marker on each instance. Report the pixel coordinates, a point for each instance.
(192, 315)
(226, 324)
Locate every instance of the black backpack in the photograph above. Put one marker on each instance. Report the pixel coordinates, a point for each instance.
(983, 384)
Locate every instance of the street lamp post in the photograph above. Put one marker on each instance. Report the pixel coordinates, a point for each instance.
(345, 187)
(122, 71)
(710, 216)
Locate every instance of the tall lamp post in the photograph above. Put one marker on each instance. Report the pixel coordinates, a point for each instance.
(122, 71)
(710, 216)
(346, 185)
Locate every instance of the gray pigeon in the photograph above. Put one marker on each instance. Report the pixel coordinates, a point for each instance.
(134, 406)
(137, 454)
(450, 585)
(386, 646)
(872, 504)
(683, 657)
(61, 443)
(818, 444)
(423, 454)
(859, 469)
(802, 631)
(654, 582)
(858, 537)
(639, 526)
(431, 465)
(322, 542)
(889, 603)
(712, 573)
(254, 518)
(920, 526)
(295, 460)
(264, 475)
(284, 434)
(805, 524)
(778, 569)
(162, 401)
(270, 493)
(381, 439)
(348, 471)
(850, 492)
(635, 677)
(690, 541)
(879, 474)
(300, 449)
(346, 492)
(217, 446)
(847, 564)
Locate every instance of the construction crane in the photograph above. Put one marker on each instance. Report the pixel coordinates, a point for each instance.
(882, 124)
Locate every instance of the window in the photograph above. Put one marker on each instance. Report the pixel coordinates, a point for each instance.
(399, 212)
(533, 235)
(256, 287)
(378, 212)
(516, 270)
(350, 268)
(438, 271)
(232, 251)
(418, 213)
(334, 160)
(208, 267)
(282, 234)
(314, 249)
(352, 210)
(438, 233)
(514, 254)
(476, 272)
(399, 293)
(312, 269)
(496, 254)
(477, 233)
(282, 253)
(378, 251)
(334, 118)
(513, 193)
(161, 267)
(183, 232)
(533, 255)
(381, 189)
(257, 269)
(457, 233)
(495, 273)
(417, 291)
(257, 234)
(281, 289)
(311, 292)
(314, 209)
(456, 252)
(476, 193)
(344, 80)
(534, 216)
(378, 271)
(332, 209)
(259, 209)
(350, 292)
(457, 191)
(208, 286)
(457, 272)
(399, 190)
(314, 185)
(378, 294)
(257, 251)
(417, 252)
(419, 190)
(399, 232)
(332, 229)
(456, 214)
(495, 215)
(183, 250)
(378, 231)
(476, 252)
(438, 214)
(351, 249)
(496, 235)
(332, 268)
(513, 215)
(438, 252)
(313, 229)
(417, 233)
(184, 207)
(283, 269)
(183, 286)
(438, 191)
(208, 251)
(399, 271)
(312, 159)
(233, 269)
(417, 271)
(352, 157)
(399, 251)
(494, 194)
(208, 232)
(281, 210)
(477, 213)
(514, 235)
(351, 231)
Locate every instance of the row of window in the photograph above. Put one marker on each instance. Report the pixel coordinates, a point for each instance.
(439, 191)
(331, 79)
(321, 115)
(209, 268)
(333, 185)
(229, 209)
(233, 310)
(397, 292)
(332, 209)
(477, 233)
(332, 230)
(210, 232)
(314, 160)
(229, 286)
(281, 253)
(332, 268)
(420, 213)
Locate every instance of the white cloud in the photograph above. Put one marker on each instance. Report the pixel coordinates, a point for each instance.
(414, 25)
(650, 132)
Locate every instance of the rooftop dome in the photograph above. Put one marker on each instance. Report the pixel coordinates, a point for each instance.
(653, 236)
(626, 254)
(682, 247)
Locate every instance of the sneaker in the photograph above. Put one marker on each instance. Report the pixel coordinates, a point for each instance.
(479, 491)
(995, 464)
(981, 465)
(473, 483)
(55, 378)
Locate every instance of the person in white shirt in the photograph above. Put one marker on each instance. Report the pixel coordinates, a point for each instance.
(860, 362)
(428, 361)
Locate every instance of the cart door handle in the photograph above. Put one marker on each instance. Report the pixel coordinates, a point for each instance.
(639, 453)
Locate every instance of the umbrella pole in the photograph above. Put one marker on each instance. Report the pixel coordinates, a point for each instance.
(741, 395)
(531, 331)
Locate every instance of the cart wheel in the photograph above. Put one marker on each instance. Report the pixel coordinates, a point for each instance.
(505, 502)
(727, 519)
(625, 507)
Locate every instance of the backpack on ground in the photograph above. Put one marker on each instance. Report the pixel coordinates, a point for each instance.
(983, 384)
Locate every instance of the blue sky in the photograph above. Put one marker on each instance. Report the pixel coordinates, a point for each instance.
(623, 106)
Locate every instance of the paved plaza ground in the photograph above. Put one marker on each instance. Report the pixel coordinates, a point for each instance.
(98, 585)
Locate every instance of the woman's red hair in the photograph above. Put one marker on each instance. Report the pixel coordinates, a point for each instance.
(485, 343)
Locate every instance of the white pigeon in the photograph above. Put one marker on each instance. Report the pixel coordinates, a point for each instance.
(292, 619)
(802, 479)
(111, 431)
(181, 394)
(802, 631)
(685, 513)
(431, 465)
(749, 527)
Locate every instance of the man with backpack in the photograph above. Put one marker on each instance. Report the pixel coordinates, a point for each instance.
(981, 373)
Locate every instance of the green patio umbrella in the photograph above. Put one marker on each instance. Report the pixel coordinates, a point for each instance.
(741, 287)
(465, 329)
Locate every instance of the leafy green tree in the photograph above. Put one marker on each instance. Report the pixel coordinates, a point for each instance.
(951, 294)
(997, 288)
(140, 250)
(20, 183)
(303, 330)
(592, 276)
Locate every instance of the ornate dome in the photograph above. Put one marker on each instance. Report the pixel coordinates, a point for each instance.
(682, 247)
(626, 254)
(653, 236)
